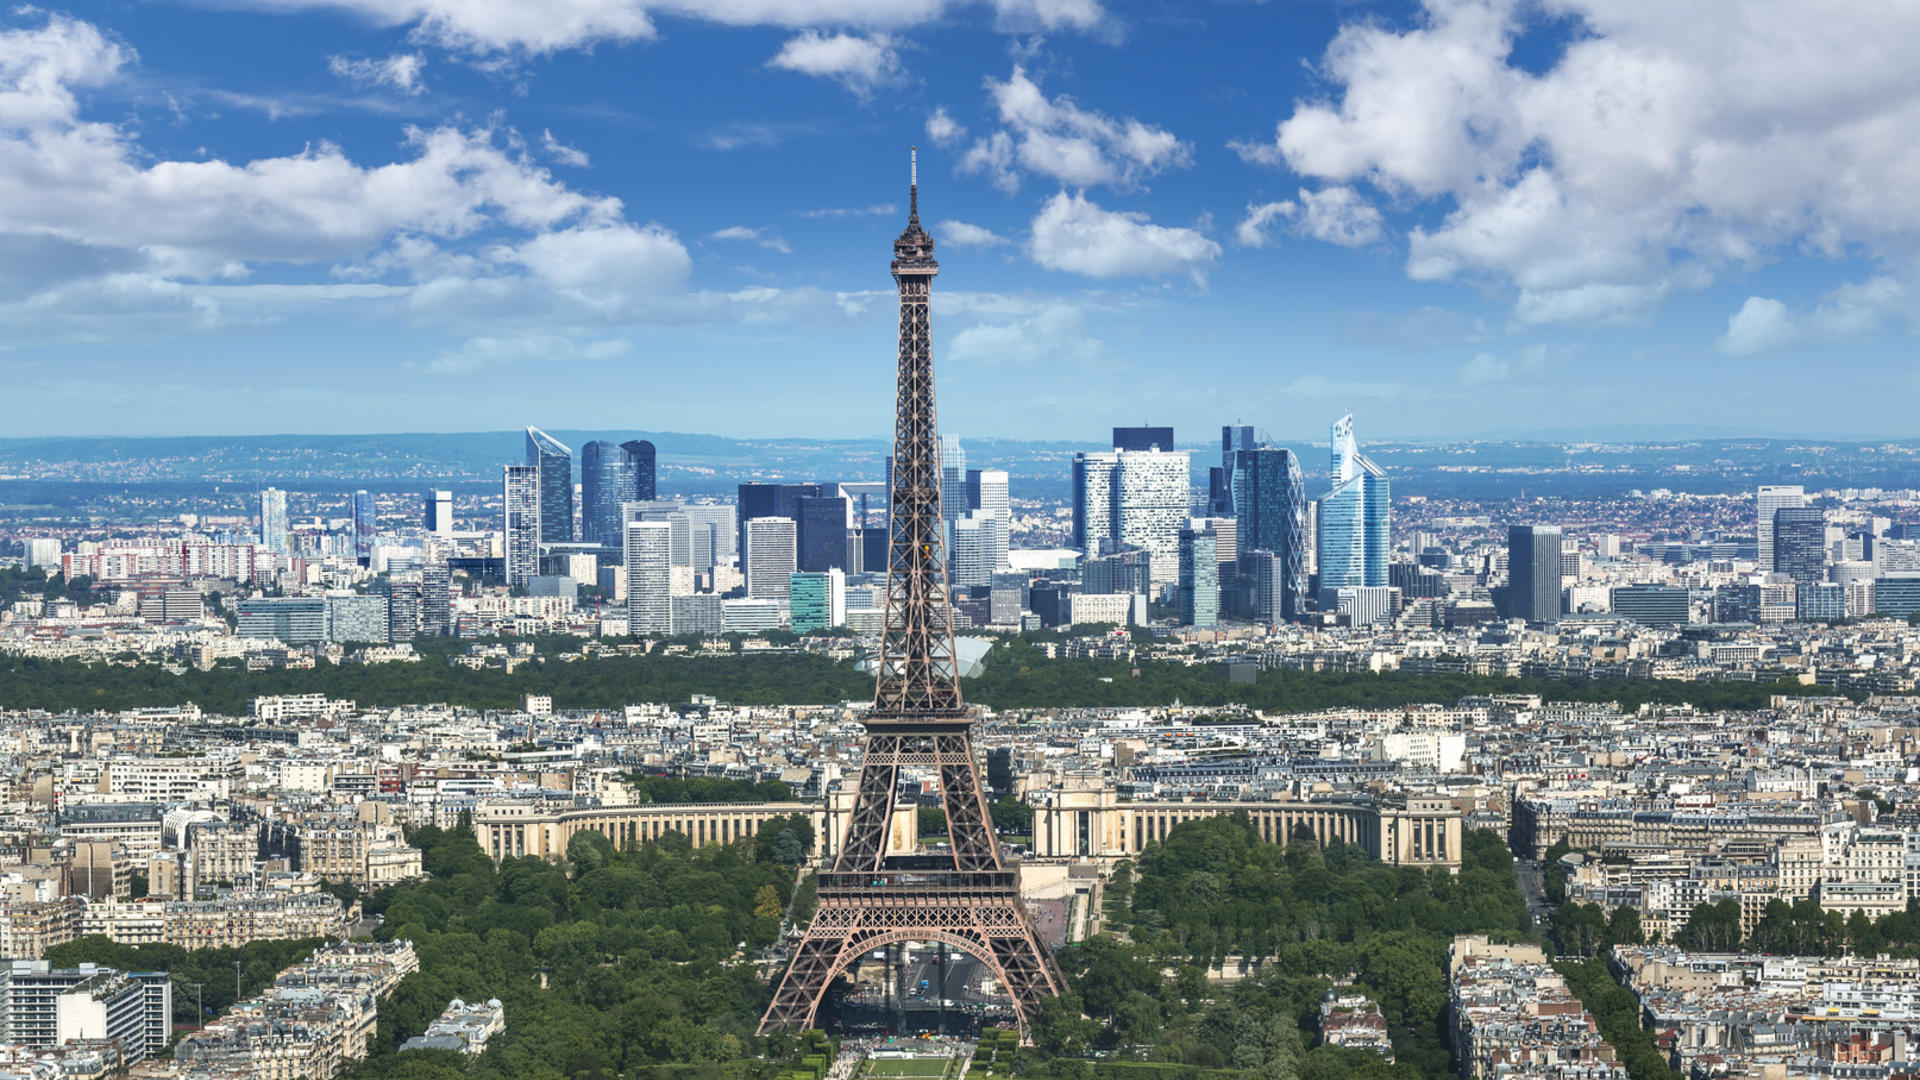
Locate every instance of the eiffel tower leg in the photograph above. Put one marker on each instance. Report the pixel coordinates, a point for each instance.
(969, 830)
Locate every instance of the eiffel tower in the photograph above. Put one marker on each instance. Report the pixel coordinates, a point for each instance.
(869, 899)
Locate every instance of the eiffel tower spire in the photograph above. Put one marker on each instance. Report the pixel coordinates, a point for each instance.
(869, 898)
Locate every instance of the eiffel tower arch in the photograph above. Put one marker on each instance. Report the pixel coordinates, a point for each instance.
(967, 898)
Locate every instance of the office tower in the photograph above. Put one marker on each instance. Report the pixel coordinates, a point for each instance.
(1767, 499)
(439, 514)
(360, 619)
(649, 569)
(608, 480)
(645, 462)
(365, 526)
(44, 1006)
(1799, 543)
(769, 500)
(273, 520)
(1651, 605)
(436, 598)
(1355, 519)
(1259, 586)
(520, 526)
(1093, 500)
(1533, 573)
(1133, 497)
(699, 613)
(1270, 514)
(1821, 601)
(1199, 579)
(1363, 605)
(817, 601)
(1118, 570)
(718, 521)
(43, 551)
(953, 478)
(974, 539)
(1143, 438)
(1151, 492)
(822, 530)
(1233, 439)
(770, 557)
(405, 604)
(291, 620)
(1006, 598)
(555, 462)
(987, 495)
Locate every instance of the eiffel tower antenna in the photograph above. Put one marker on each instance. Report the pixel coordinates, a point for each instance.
(870, 899)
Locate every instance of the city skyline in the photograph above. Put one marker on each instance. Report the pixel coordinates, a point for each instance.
(443, 204)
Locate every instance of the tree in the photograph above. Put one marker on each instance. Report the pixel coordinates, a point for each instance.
(1712, 927)
(766, 903)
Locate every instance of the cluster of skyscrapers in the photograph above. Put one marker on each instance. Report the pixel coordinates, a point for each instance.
(1263, 551)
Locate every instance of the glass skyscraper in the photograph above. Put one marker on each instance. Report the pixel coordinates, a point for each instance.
(1356, 519)
(1137, 497)
(1800, 543)
(555, 461)
(1533, 573)
(520, 525)
(609, 477)
(1199, 579)
(364, 526)
(273, 520)
(1269, 503)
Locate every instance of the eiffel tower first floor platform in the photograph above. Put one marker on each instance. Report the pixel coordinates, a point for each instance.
(979, 913)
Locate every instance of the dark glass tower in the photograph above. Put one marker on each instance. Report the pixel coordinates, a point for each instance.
(823, 532)
(606, 480)
(1533, 573)
(555, 461)
(1270, 514)
(1143, 438)
(640, 453)
(1800, 543)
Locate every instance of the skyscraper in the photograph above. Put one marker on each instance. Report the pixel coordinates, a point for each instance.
(975, 536)
(1767, 499)
(1233, 439)
(273, 520)
(436, 598)
(608, 479)
(439, 514)
(1137, 497)
(1800, 543)
(1143, 438)
(1199, 579)
(520, 526)
(821, 524)
(817, 601)
(987, 494)
(1533, 573)
(1269, 501)
(555, 462)
(769, 500)
(770, 557)
(649, 570)
(953, 478)
(641, 455)
(1356, 519)
(365, 526)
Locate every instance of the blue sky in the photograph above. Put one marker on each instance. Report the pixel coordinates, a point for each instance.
(1453, 218)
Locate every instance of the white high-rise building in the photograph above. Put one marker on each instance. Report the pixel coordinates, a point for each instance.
(43, 551)
(771, 557)
(440, 514)
(1151, 494)
(273, 520)
(520, 528)
(649, 570)
(987, 495)
(1093, 500)
(953, 478)
(1767, 499)
(974, 539)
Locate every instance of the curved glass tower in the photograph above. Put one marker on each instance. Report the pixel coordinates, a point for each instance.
(555, 461)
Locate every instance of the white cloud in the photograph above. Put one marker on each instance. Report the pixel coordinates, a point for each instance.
(561, 152)
(483, 353)
(1073, 234)
(1253, 228)
(766, 238)
(961, 234)
(861, 64)
(1851, 311)
(400, 71)
(1058, 139)
(885, 209)
(1057, 333)
(1030, 16)
(1667, 144)
(1486, 369)
(943, 129)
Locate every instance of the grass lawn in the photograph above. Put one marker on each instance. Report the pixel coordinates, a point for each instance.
(915, 1068)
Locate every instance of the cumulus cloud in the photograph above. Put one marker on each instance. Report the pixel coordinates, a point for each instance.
(400, 71)
(943, 129)
(561, 152)
(1487, 369)
(860, 64)
(1056, 138)
(1070, 233)
(766, 238)
(1057, 333)
(1030, 16)
(1854, 310)
(1253, 229)
(1336, 215)
(1667, 145)
(961, 234)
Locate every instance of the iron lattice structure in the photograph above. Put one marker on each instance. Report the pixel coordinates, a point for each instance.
(870, 900)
